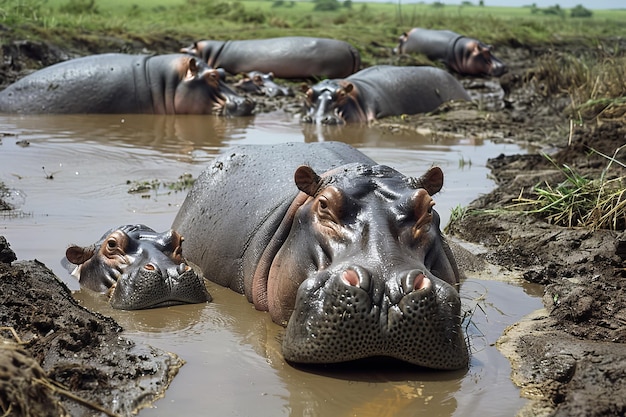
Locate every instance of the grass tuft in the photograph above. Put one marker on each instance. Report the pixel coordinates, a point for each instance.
(580, 201)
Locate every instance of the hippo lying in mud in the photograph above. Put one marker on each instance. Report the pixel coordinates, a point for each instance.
(138, 268)
(345, 253)
(120, 83)
(256, 82)
(285, 57)
(463, 55)
(380, 91)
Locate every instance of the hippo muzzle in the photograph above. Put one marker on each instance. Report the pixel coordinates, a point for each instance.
(349, 314)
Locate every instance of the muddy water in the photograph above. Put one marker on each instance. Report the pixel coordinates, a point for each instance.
(70, 177)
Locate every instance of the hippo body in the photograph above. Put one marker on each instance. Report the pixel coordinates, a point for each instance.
(138, 268)
(461, 54)
(381, 91)
(286, 57)
(350, 258)
(121, 83)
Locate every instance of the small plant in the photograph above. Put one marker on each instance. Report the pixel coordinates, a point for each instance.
(580, 201)
(457, 213)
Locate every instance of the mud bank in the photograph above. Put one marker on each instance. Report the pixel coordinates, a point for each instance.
(58, 359)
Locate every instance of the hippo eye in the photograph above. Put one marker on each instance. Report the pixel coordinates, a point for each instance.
(111, 243)
(149, 267)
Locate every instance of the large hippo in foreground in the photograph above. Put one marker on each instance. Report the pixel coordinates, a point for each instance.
(285, 57)
(346, 253)
(138, 268)
(380, 91)
(463, 55)
(121, 83)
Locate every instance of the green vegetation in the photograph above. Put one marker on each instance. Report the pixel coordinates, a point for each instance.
(361, 23)
(580, 201)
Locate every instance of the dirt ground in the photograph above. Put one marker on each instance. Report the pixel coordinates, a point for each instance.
(569, 358)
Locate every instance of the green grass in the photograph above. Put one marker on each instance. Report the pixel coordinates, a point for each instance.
(363, 23)
(580, 201)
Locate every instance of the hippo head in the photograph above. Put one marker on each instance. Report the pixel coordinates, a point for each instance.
(477, 58)
(333, 102)
(203, 91)
(364, 271)
(257, 82)
(138, 267)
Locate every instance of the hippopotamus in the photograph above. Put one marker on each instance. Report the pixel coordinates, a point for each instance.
(285, 57)
(138, 268)
(257, 82)
(379, 91)
(121, 83)
(345, 253)
(463, 55)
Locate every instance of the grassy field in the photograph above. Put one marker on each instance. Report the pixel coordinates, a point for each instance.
(362, 24)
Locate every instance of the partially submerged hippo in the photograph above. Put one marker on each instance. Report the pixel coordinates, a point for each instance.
(463, 55)
(347, 254)
(380, 91)
(257, 82)
(120, 83)
(285, 57)
(138, 268)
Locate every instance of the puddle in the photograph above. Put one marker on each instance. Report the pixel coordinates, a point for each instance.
(71, 176)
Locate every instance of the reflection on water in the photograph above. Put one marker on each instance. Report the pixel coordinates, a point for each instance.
(234, 366)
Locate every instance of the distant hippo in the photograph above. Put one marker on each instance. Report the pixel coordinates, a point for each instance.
(286, 57)
(463, 55)
(256, 82)
(380, 91)
(347, 254)
(138, 268)
(120, 83)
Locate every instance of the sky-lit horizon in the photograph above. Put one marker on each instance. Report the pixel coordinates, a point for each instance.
(566, 4)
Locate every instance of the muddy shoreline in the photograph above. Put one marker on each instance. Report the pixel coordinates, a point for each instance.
(568, 358)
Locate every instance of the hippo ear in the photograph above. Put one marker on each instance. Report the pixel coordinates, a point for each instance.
(193, 67)
(304, 87)
(347, 89)
(307, 180)
(432, 180)
(79, 255)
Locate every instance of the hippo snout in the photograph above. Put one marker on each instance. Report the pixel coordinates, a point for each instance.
(238, 106)
(353, 313)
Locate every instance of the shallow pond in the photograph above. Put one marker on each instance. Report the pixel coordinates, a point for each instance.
(70, 177)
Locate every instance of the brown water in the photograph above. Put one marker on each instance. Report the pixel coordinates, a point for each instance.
(234, 366)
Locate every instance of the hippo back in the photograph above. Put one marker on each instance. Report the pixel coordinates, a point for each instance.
(106, 83)
(389, 90)
(237, 203)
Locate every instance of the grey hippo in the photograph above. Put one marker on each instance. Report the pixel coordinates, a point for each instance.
(461, 54)
(380, 91)
(346, 253)
(286, 57)
(121, 83)
(138, 268)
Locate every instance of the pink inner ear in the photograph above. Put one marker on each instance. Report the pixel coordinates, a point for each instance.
(78, 255)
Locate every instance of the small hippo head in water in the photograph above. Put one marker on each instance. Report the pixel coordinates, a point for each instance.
(332, 102)
(257, 82)
(369, 270)
(138, 267)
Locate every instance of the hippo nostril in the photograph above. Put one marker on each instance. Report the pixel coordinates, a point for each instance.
(356, 277)
(350, 277)
(415, 280)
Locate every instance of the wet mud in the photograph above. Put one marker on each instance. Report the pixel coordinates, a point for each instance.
(58, 358)
(569, 358)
